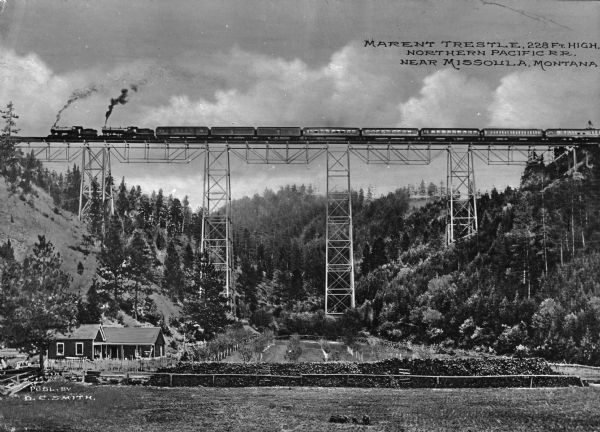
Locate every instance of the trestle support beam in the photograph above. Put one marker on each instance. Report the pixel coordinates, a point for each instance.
(339, 253)
(95, 167)
(217, 241)
(461, 193)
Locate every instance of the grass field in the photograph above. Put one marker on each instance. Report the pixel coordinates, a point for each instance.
(111, 408)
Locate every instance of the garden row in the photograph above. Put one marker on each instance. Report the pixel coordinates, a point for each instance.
(432, 367)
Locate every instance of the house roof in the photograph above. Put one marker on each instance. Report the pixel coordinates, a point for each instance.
(132, 335)
(84, 331)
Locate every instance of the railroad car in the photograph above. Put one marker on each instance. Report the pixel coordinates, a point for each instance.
(73, 132)
(450, 134)
(181, 132)
(238, 132)
(278, 132)
(573, 134)
(115, 132)
(330, 132)
(129, 132)
(144, 133)
(390, 133)
(494, 134)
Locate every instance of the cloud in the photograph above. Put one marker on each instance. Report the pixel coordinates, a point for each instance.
(353, 89)
(39, 93)
(546, 99)
(448, 98)
(32, 86)
(356, 87)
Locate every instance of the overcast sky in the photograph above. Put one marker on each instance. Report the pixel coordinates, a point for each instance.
(298, 63)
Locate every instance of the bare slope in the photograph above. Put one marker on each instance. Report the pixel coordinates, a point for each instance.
(24, 217)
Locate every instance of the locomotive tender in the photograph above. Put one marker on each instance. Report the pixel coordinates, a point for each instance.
(248, 133)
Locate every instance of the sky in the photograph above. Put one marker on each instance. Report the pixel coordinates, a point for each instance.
(295, 63)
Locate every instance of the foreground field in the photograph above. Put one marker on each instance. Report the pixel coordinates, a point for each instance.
(111, 408)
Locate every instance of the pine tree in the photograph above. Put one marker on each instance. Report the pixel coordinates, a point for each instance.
(365, 264)
(8, 155)
(378, 256)
(431, 189)
(422, 188)
(35, 302)
(361, 198)
(89, 312)
(133, 198)
(160, 240)
(95, 212)
(246, 284)
(137, 267)
(175, 217)
(159, 210)
(188, 257)
(187, 217)
(173, 281)
(6, 251)
(208, 307)
(122, 203)
(405, 244)
(111, 260)
(145, 212)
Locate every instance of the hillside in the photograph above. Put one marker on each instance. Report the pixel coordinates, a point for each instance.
(25, 216)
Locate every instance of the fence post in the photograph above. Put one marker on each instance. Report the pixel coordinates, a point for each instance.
(170, 380)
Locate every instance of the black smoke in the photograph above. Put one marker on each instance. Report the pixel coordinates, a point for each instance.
(122, 99)
(76, 95)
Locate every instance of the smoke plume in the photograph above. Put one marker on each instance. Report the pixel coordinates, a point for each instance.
(76, 95)
(122, 99)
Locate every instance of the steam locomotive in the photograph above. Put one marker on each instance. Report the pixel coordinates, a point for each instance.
(203, 133)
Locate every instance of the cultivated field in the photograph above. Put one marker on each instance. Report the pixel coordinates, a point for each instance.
(311, 352)
(112, 408)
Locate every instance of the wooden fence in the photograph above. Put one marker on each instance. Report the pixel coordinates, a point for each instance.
(138, 365)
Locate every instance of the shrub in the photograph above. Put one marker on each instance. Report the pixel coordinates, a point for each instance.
(246, 351)
(294, 349)
(261, 318)
(325, 346)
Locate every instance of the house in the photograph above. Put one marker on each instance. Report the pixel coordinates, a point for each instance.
(134, 342)
(93, 341)
(84, 341)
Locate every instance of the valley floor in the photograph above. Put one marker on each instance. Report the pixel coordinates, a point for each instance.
(112, 408)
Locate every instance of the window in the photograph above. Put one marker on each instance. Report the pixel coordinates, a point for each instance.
(60, 349)
(79, 348)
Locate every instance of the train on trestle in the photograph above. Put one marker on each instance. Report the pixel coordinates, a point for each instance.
(237, 133)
